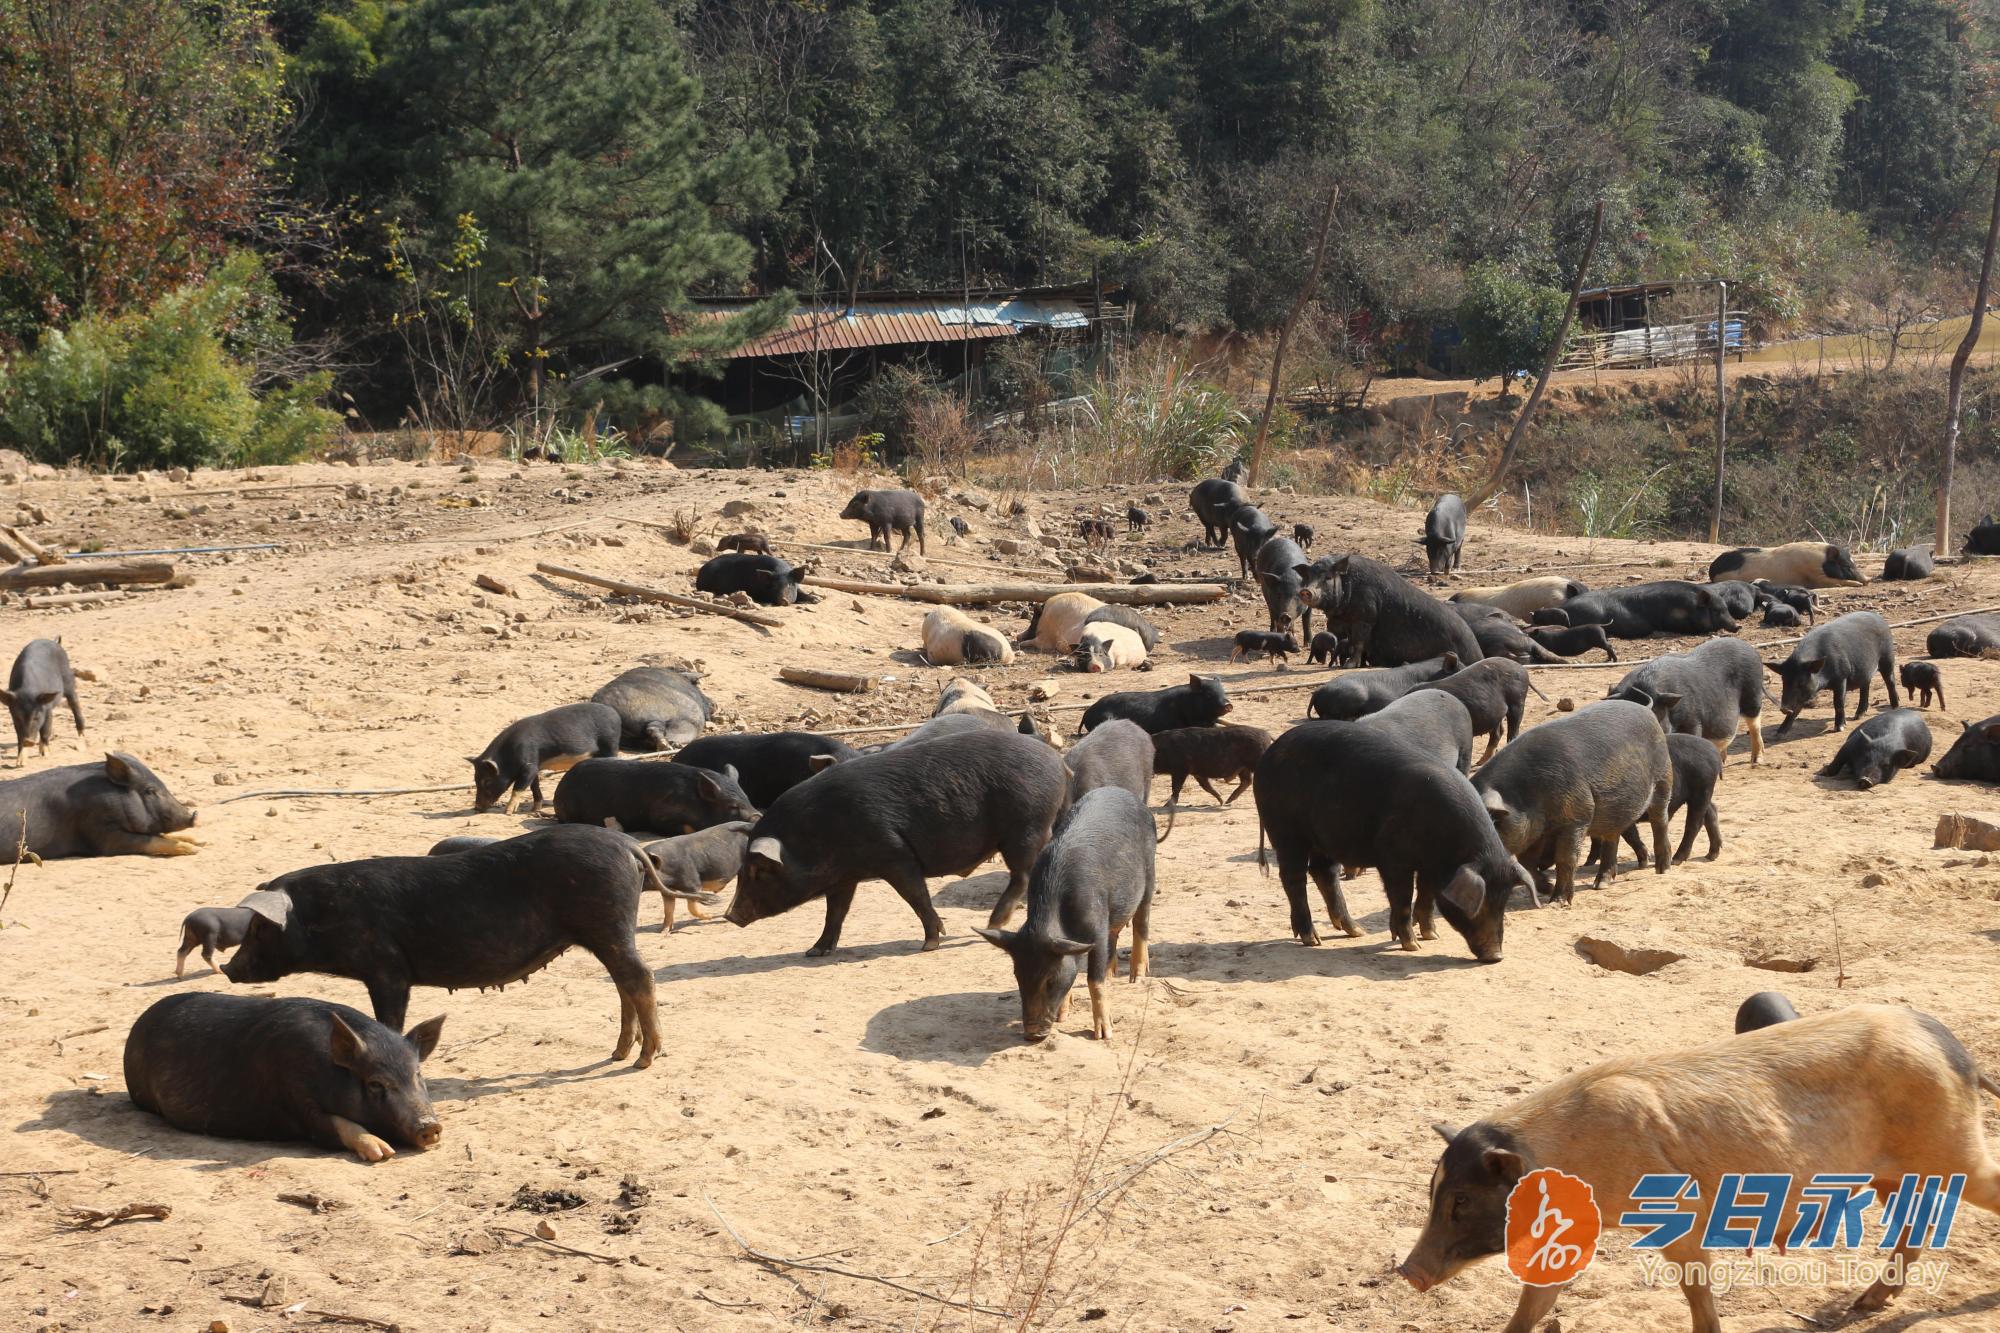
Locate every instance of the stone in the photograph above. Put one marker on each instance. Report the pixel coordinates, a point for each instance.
(1968, 832)
(1635, 960)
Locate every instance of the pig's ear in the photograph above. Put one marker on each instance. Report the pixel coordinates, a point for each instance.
(1340, 565)
(1302, 570)
(1813, 666)
(819, 763)
(1496, 804)
(423, 1038)
(348, 1048)
(274, 905)
(766, 849)
(1451, 661)
(1193, 679)
(492, 764)
(729, 771)
(999, 939)
(7, 697)
(1466, 892)
(1444, 1131)
(1666, 700)
(45, 698)
(1905, 758)
(1504, 1164)
(119, 771)
(1774, 668)
(1526, 881)
(1068, 946)
(710, 789)
(1991, 733)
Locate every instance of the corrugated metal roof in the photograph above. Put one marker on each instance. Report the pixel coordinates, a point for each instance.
(813, 329)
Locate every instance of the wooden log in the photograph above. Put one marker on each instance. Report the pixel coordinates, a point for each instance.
(645, 594)
(979, 594)
(87, 571)
(491, 584)
(74, 599)
(841, 682)
(42, 555)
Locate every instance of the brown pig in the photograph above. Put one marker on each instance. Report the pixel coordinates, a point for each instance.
(1873, 1089)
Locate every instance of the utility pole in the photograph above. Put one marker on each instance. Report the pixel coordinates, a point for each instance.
(1721, 408)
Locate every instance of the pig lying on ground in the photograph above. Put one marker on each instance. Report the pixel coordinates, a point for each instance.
(555, 741)
(1499, 636)
(1093, 879)
(1667, 606)
(768, 580)
(1984, 539)
(1521, 600)
(662, 798)
(1589, 774)
(1254, 643)
(484, 917)
(1495, 694)
(1710, 691)
(1444, 535)
(1130, 619)
(1780, 616)
(1907, 562)
(657, 708)
(952, 638)
(1742, 600)
(1213, 501)
(1228, 754)
(1801, 564)
(1117, 754)
(887, 512)
(1873, 751)
(962, 695)
(1766, 1008)
(211, 928)
(1330, 794)
(1876, 1090)
(1802, 600)
(1362, 692)
(1389, 620)
(1058, 623)
(1965, 636)
(1199, 703)
(249, 1067)
(42, 674)
(1975, 755)
(116, 808)
(939, 807)
(1573, 642)
(1432, 721)
(1920, 681)
(1106, 647)
(1840, 655)
(766, 766)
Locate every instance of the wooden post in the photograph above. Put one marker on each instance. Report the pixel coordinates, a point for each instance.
(1499, 477)
(1721, 408)
(1285, 335)
(1955, 397)
(980, 594)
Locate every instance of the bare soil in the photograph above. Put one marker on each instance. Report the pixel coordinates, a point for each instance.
(878, 1108)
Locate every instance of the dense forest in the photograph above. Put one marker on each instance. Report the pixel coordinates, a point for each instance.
(222, 226)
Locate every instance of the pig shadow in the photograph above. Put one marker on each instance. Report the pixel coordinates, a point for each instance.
(444, 1088)
(1375, 954)
(975, 891)
(113, 1121)
(1834, 1313)
(745, 965)
(966, 1028)
(571, 593)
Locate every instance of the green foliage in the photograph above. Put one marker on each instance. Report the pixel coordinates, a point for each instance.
(174, 383)
(1507, 323)
(1155, 416)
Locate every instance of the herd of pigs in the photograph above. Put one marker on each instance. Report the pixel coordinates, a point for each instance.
(1381, 776)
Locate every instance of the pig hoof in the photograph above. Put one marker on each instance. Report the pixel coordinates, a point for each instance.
(1409, 945)
(819, 951)
(1310, 939)
(933, 943)
(645, 1061)
(371, 1149)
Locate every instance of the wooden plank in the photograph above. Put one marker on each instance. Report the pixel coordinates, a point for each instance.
(841, 682)
(87, 571)
(980, 594)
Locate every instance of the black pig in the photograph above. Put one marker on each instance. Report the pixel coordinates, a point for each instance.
(1766, 1008)
(1213, 501)
(766, 766)
(1920, 681)
(940, 807)
(1444, 534)
(887, 512)
(1840, 655)
(751, 543)
(1093, 879)
(1362, 692)
(484, 917)
(658, 708)
(1199, 703)
(1574, 641)
(116, 808)
(769, 580)
(555, 740)
(1878, 747)
(209, 929)
(1227, 754)
(251, 1067)
(1253, 643)
(1965, 636)
(661, 798)
(1117, 754)
(1907, 562)
(1387, 619)
(41, 675)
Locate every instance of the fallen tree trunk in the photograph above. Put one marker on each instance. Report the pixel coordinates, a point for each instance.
(42, 555)
(645, 594)
(841, 682)
(978, 594)
(75, 599)
(87, 571)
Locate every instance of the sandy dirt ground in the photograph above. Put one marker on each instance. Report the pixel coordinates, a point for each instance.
(876, 1109)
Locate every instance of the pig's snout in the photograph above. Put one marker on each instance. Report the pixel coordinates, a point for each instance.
(736, 916)
(1414, 1275)
(1039, 1034)
(430, 1132)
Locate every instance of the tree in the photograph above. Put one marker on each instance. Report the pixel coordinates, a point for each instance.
(133, 148)
(1507, 323)
(571, 133)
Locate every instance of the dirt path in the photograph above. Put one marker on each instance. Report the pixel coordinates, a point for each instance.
(877, 1108)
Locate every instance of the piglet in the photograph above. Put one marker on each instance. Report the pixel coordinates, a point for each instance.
(1766, 1008)
(41, 675)
(1253, 643)
(250, 1067)
(209, 929)
(700, 862)
(1093, 879)
(556, 740)
(1208, 754)
(1921, 680)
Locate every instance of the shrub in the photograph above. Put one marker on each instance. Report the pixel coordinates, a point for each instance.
(174, 383)
(1507, 323)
